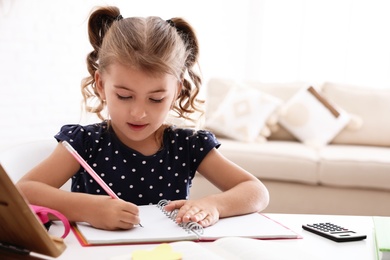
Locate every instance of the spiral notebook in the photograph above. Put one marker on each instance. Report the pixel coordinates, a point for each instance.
(159, 226)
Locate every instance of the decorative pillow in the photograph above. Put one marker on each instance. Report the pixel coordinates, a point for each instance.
(242, 114)
(311, 118)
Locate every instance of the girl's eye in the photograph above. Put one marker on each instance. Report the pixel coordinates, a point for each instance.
(156, 100)
(123, 97)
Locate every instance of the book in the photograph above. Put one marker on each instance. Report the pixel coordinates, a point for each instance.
(227, 248)
(160, 226)
(382, 237)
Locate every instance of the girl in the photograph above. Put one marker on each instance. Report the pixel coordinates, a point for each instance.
(140, 70)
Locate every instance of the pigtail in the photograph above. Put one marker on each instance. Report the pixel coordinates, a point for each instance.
(99, 22)
(188, 96)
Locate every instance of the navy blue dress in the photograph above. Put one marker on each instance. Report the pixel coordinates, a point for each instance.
(136, 178)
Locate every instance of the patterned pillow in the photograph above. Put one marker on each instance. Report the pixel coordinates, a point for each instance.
(311, 118)
(242, 114)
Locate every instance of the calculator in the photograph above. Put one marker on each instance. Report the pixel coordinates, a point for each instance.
(334, 232)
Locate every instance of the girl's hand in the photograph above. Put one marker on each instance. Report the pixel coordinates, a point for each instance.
(104, 212)
(201, 211)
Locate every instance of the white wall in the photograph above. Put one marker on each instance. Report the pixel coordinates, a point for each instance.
(43, 45)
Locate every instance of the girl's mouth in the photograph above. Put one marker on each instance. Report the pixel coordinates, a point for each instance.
(136, 127)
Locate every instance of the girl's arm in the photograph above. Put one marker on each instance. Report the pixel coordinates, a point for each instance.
(41, 187)
(242, 193)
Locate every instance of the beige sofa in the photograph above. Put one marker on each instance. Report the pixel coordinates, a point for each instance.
(350, 175)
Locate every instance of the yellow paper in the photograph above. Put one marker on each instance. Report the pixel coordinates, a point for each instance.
(160, 252)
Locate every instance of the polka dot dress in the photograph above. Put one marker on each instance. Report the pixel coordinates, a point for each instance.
(134, 177)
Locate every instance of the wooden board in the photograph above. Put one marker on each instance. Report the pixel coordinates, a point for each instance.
(20, 226)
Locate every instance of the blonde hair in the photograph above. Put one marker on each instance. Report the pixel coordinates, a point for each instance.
(150, 44)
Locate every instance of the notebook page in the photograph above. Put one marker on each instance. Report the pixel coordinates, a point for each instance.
(253, 225)
(157, 227)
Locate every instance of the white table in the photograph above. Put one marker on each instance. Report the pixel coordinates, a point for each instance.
(314, 244)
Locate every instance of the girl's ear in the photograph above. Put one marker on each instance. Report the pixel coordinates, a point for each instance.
(179, 88)
(177, 93)
(99, 85)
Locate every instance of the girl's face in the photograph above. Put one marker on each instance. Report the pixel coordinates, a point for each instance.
(138, 103)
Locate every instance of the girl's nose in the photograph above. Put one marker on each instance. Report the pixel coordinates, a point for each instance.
(138, 112)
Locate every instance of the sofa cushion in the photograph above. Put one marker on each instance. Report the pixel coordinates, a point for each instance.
(311, 118)
(217, 89)
(355, 166)
(276, 160)
(242, 114)
(371, 105)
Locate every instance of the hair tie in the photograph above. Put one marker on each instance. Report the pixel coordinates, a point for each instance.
(118, 18)
(171, 23)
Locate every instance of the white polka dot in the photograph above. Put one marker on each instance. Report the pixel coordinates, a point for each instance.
(106, 158)
(89, 133)
(177, 191)
(201, 149)
(116, 152)
(169, 185)
(161, 161)
(185, 181)
(173, 141)
(99, 149)
(133, 170)
(98, 191)
(119, 193)
(180, 148)
(194, 160)
(114, 167)
(206, 138)
(109, 144)
(123, 177)
(151, 187)
(90, 180)
(160, 177)
(110, 184)
(140, 195)
(176, 157)
(176, 174)
(142, 178)
(131, 186)
(169, 168)
(184, 164)
(143, 162)
(102, 174)
(97, 141)
(160, 194)
(152, 170)
(94, 165)
(124, 160)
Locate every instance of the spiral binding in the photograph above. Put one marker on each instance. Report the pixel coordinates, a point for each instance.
(189, 226)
